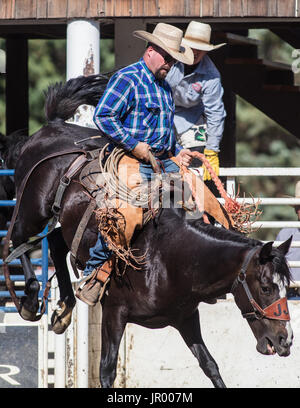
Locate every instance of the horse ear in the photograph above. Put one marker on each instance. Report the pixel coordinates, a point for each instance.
(265, 252)
(285, 246)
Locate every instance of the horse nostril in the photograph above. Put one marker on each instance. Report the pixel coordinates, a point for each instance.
(282, 341)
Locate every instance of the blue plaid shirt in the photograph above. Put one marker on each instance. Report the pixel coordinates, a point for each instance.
(136, 107)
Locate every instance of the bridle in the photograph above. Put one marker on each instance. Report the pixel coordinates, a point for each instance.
(278, 310)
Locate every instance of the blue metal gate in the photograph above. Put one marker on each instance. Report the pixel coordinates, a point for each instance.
(43, 261)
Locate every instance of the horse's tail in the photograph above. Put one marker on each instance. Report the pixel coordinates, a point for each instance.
(62, 100)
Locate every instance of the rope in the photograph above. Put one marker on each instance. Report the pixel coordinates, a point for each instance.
(231, 205)
(241, 214)
(113, 183)
(111, 222)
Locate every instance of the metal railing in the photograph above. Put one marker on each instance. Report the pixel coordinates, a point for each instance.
(42, 262)
(229, 172)
(232, 172)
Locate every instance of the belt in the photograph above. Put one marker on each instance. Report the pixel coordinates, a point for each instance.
(162, 155)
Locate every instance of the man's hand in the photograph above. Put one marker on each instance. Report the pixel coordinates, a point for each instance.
(184, 157)
(141, 151)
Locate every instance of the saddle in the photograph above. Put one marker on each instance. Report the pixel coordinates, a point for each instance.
(131, 216)
(118, 225)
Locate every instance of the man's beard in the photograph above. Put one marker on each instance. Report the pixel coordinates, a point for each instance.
(161, 72)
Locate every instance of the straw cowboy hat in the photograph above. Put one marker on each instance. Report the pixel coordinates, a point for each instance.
(169, 39)
(197, 36)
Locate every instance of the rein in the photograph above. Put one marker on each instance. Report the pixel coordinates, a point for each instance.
(241, 214)
(231, 205)
(26, 246)
(278, 310)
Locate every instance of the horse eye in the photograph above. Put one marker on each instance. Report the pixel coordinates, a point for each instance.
(265, 290)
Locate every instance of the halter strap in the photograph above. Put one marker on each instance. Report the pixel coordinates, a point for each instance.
(278, 310)
(242, 274)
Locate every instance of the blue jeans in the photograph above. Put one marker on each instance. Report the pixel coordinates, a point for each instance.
(100, 253)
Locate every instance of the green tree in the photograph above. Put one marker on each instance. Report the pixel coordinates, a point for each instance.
(46, 66)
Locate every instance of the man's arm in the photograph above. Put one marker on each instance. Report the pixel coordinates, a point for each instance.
(115, 102)
(214, 112)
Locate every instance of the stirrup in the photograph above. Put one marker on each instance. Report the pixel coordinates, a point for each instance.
(89, 289)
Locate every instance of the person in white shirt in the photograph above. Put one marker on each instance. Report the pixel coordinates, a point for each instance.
(197, 92)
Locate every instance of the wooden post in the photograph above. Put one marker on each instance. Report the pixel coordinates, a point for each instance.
(17, 110)
(95, 318)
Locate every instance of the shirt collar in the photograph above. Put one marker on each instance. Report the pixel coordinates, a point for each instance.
(149, 74)
(203, 67)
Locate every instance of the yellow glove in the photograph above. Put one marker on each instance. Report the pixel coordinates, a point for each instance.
(213, 159)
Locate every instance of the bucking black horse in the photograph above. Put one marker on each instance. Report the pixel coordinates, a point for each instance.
(186, 261)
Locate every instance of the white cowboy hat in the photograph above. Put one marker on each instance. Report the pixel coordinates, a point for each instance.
(169, 39)
(197, 36)
(2, 62)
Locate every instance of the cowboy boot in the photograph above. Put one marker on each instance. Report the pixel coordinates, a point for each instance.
(92, 288)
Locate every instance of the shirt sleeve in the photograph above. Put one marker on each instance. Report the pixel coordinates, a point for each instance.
(214, 112)
(178, 147)
(284, 234)
(116, 101)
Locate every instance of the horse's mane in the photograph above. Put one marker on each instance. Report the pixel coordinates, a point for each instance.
(62, 100)
(278, 259)
(281, 267)
(223, 234)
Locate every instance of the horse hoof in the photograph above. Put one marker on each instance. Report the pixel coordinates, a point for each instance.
(61, 318)
(27, 314)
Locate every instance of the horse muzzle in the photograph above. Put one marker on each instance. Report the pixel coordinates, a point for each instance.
(281, 345)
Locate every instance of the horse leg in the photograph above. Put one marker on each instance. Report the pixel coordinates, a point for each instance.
(61, 317)
(113, 325)
(30, 302)
(190, 330)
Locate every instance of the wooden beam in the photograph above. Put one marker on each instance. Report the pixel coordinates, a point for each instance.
(77, 8)
(25, 9)
(207, 8)
(57, 8)
(278, 103)
(7, 10)
(96, 8)
(193, 8)
(171, 8)
(17, 9)
(286, 8)
(42, 9)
